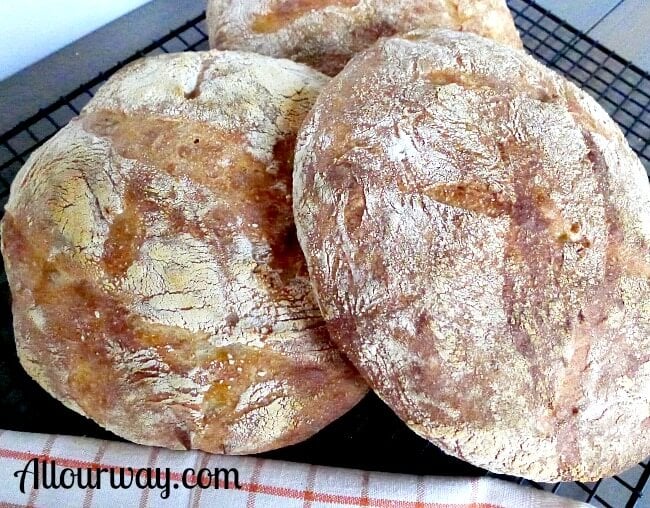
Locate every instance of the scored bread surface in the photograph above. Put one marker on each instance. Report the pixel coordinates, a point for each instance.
(157, 283)
(477, 230)
(325, 34)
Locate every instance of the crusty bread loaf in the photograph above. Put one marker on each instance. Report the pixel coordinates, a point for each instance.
(325, 34)
(157, 284)
(477, 231)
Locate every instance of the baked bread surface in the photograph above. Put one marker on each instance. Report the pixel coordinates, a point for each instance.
(158, 287)
(477, 232)
(325, 34)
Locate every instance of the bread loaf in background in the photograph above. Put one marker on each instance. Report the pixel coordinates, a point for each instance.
(325, 34)
(477, 230)
(158, 287)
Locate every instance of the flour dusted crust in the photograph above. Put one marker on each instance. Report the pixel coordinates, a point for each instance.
(157, 284)
(477, 231)
(325, 34)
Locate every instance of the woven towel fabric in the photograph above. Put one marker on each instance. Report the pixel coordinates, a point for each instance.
(55, 461)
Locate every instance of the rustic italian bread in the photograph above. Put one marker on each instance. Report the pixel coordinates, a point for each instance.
(157, 284)
(477, 231)
(325, 34)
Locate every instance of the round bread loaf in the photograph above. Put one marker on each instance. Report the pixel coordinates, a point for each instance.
(157, 283)
(325, 34)
(477, 231)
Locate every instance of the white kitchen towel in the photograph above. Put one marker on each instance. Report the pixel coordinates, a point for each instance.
(125, 475)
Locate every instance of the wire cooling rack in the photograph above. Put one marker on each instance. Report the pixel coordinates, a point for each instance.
(370, 436)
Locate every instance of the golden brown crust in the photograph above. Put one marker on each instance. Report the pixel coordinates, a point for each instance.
(325, 34)
(477, 232)
(157, 284)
